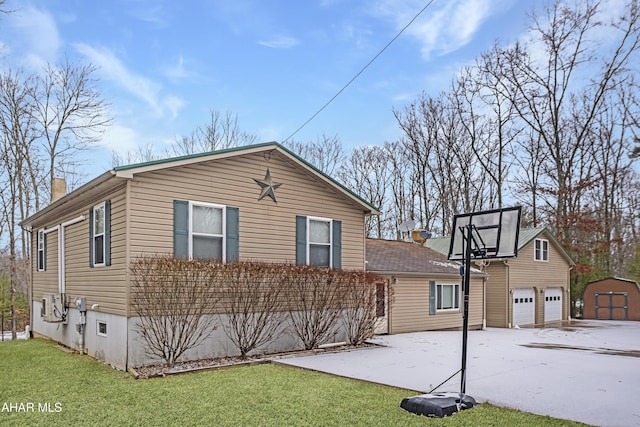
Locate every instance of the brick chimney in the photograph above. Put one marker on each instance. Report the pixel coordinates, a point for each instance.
(59, 189)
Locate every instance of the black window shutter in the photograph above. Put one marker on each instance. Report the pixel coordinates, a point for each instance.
(107, 232)
(337, 244)
(91, 237)
(432, 297)
(301, 240)
(233, 234)
(180, 229)
(44, 252)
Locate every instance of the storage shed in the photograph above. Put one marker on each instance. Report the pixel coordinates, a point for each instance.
(613, 298)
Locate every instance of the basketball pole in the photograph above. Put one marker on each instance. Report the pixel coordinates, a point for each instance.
(465, 313)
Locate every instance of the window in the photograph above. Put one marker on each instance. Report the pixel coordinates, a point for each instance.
(541, 251)
(206, 232)
(100, 234)
(447, 297)
(319, 242)
(42, 251)
(98, 227)
(101, 329)
(381, 299)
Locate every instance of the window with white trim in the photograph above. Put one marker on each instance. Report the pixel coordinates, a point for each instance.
(447, 297)
(541, 250)
(41, 251)
(206, 231)
(98, 243)
(319, 241)
(101, 328)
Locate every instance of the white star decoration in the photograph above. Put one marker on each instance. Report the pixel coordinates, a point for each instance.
(268, 186)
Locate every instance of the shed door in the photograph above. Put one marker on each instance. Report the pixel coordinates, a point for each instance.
(552, 304)
(612, 306)
(523, 307)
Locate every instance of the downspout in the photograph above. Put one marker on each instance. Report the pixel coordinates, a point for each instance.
(61, 254)
(509, 297)
(485, 264)
(569, 295)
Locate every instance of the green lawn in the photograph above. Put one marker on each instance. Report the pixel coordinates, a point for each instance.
(85, 392)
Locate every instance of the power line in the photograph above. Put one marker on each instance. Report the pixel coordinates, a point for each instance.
(359, 72)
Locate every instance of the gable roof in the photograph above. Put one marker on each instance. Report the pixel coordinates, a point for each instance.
(118, 175)
(394, 256)
(618, 279)
(525, 236)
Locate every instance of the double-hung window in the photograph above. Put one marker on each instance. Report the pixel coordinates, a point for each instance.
(42, 251)
(100, 234)
(319, 242)
(206, 231)
(98, 227)
(447, 297)
(541, 250)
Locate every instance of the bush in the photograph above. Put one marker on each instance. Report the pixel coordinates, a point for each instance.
(176, 300)
(172, 297)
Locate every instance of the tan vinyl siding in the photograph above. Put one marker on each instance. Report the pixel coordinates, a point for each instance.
(497, 294)
(105, 286)
(528, 273)
(45, 282)
(410, 309)
(267, 229)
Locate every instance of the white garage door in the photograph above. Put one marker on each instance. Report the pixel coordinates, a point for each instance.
(552, 304)
(523, 307)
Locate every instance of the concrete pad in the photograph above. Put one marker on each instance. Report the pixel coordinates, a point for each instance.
(588, 371)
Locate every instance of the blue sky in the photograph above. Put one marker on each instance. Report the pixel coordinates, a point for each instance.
(163, 65)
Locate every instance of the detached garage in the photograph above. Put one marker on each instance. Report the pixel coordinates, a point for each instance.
(612, 298)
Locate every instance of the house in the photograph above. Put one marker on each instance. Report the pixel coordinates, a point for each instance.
(613, 298)
(426, 288)
(531, 289)
(262, 202)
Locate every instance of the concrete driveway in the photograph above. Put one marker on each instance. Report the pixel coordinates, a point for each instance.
(588, 371)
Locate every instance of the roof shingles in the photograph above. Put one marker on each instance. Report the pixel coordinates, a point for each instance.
(392, 256)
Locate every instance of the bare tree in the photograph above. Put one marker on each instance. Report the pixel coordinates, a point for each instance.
(18, 171)
(141, 154)
(325, 153)
(71, 113)
(175, 300)
(366, 172)
(402, 187)
(220, 133)
(552, 98)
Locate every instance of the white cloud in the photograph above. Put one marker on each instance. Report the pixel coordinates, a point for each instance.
(120, 139)
(112, 68)
(280, 42)
(174, 104)
(176, 71)
(38, 32)
(444, 26)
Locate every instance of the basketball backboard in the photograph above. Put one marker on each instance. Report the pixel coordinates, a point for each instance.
(494, 234)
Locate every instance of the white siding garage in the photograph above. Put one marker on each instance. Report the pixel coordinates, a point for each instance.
(524, 307)
(552, 304)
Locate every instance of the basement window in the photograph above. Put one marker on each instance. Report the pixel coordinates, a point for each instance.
(102, 328)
